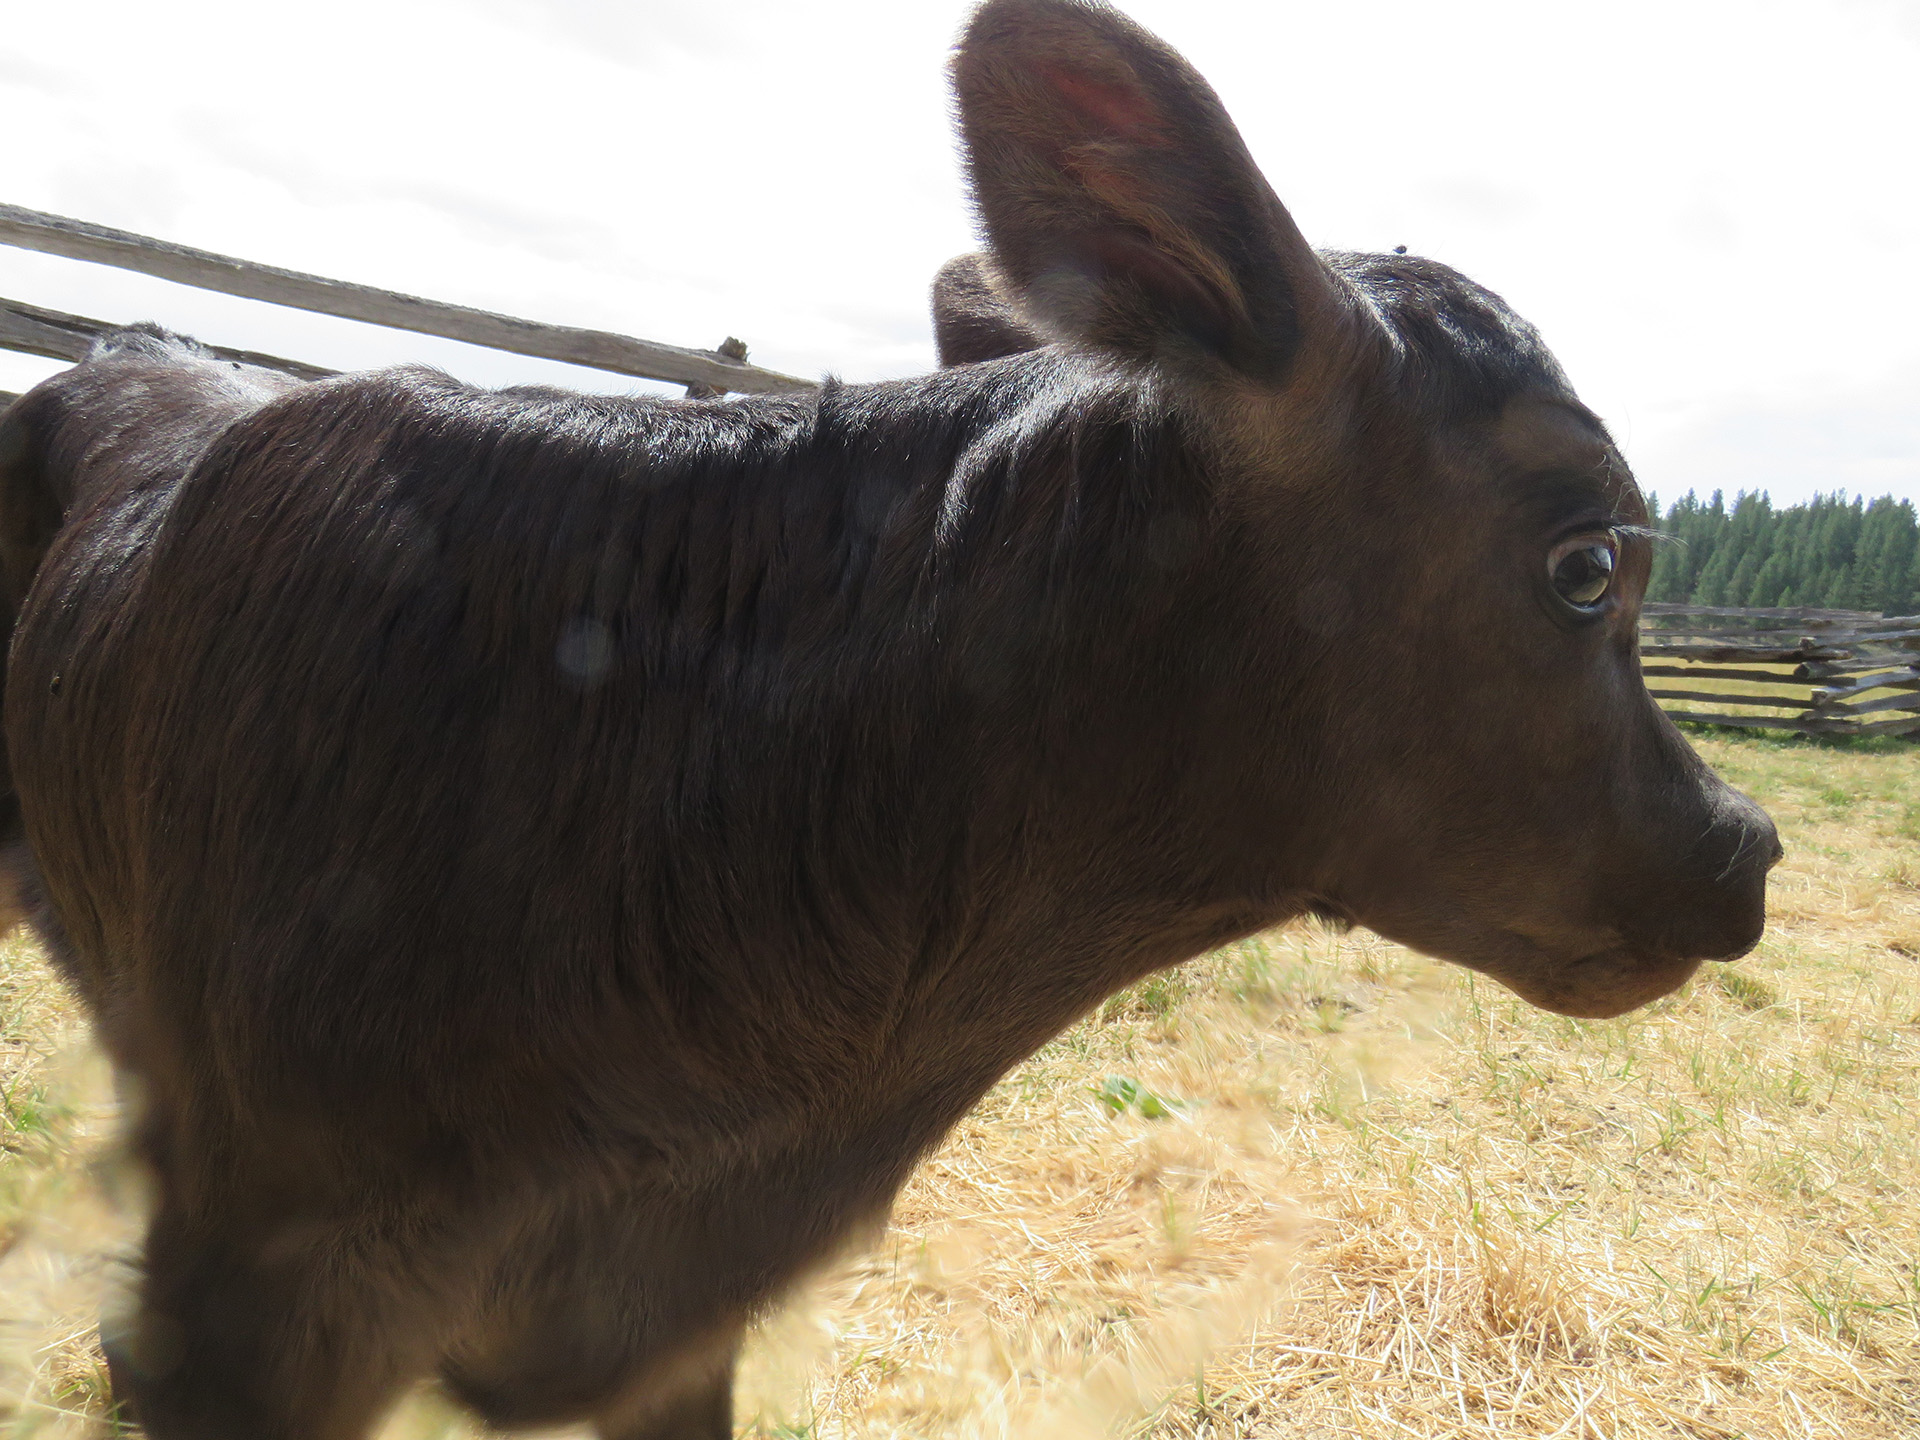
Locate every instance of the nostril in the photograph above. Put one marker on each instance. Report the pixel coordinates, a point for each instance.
(1754, 854)
(1768, 847)
(1759, 837)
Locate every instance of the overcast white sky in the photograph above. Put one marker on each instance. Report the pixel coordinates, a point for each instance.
(1711, 208)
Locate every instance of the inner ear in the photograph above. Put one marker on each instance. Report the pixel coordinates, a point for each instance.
(1178, 292)
(1116, 108)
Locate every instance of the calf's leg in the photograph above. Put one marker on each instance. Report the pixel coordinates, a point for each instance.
(697, 1405)
(687, 1397)
(606, 1310)
(251, 1331)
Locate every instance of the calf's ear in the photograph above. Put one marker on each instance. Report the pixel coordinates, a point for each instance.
(973, 318)
(1121, 205)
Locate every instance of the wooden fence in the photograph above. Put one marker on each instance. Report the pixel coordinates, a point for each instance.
(34, 331)
(1818, 672)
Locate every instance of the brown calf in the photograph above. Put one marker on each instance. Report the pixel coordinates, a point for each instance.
(549, 865)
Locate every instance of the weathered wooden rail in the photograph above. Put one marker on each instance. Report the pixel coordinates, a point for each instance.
(59, 336)
(1817, 672)
(46, 332)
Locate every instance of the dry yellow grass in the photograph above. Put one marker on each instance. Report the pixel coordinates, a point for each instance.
(1385, 1200)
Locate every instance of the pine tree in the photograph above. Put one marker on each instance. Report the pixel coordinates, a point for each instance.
(1772, 581)
(1832, 552)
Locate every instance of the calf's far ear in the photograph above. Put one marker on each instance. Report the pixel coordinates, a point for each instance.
(1120, 202)
(972, 317)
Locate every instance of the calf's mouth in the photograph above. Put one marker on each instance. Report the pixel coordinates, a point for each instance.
(1597, 986)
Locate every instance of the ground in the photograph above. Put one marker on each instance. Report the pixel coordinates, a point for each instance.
(1310, 1186)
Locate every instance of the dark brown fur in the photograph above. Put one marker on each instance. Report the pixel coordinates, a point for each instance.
(973, 319)
(549, 865)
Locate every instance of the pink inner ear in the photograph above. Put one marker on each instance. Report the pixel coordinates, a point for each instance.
(1113, 106)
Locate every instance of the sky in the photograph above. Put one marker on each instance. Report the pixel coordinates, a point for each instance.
(1710, 208)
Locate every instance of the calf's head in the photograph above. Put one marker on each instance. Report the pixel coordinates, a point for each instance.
(1438, 553)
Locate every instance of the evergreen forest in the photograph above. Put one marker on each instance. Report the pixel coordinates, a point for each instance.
(1831, 553)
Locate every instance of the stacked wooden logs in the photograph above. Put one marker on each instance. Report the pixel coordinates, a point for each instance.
(1818, 672)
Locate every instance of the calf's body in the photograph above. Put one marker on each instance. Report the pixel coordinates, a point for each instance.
(548, 865)
(667, 825)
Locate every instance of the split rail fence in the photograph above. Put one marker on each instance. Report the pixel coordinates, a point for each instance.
(1817, 672)
(34, 331)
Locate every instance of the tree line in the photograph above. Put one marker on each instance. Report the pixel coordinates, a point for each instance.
(1830, 552)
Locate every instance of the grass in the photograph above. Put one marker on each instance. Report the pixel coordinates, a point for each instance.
(1315, 1186)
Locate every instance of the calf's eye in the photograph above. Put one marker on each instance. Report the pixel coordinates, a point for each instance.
(1582, 570)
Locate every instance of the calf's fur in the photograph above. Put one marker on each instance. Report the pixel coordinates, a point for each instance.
(972, 318)
(548, 865)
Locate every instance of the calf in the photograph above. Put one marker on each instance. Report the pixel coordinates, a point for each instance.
(548, 865)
